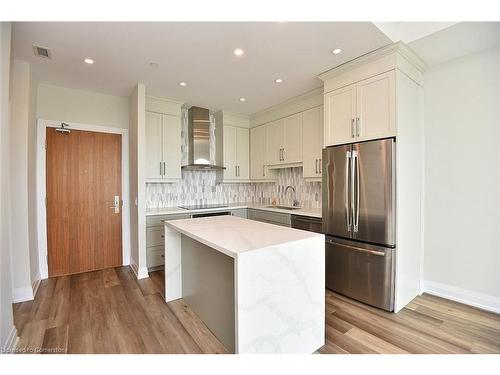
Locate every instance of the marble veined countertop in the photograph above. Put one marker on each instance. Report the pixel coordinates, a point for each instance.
(233, 235)
(311, 212)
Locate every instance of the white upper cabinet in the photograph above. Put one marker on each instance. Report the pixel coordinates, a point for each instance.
(171, 128)
(163, 140)
(163, 147)
(274, 142)
(236, 153)
(258, 154)
(312, 142)
(154, 160)
(230, 153)
(233, 146)
(284, 141)
(340, 114)
(243, 153)
(362, 111)
(376, 107)
(292, 139)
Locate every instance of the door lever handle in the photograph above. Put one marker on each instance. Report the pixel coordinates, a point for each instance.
(116, 205)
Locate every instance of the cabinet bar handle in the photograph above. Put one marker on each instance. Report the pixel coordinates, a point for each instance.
(358, 127)
(352, 128)
(263, 171)
(283, 154)
(316, 164)
(164, 168)
(161, 174)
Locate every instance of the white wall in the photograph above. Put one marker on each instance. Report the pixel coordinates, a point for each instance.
(462, 173)
(7, 329)
(85, 107)
(137, 156)
(18, 179)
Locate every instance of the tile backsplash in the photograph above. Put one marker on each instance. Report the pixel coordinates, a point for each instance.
(200, 187)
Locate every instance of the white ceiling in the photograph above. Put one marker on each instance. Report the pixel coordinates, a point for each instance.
(200, 54)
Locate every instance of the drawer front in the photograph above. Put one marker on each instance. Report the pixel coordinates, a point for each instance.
(270, 217)
(240, 212)
(155, 236)
(157, 220)
(155, 256)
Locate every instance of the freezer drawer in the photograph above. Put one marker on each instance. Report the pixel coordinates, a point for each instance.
(361, 271)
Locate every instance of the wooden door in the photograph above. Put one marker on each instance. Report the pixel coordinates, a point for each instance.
(340, 114)
(83, 176)
(243, 153)
(376, 107)
(274, 142)
(171, 146)
(312, 130)
(229, 149)
(292, 144)
(154, 157)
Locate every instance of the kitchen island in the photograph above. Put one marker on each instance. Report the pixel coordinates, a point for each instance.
(260, 288)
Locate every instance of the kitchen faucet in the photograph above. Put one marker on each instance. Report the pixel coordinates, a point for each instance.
(295, 201)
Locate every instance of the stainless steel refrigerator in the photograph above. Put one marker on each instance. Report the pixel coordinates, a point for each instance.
(359, 220)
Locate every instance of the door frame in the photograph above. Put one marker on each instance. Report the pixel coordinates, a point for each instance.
(41, 185)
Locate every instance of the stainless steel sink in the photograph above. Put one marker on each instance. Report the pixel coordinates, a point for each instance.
(285, 207)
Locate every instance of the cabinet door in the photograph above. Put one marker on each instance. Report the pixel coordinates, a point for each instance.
(242, 153)
(274, 142)
(292, 145)
(312, 129)
(171, 146)
(258, 143)
(340, 113)
(230, 154)
(376, 107)
(154, 167)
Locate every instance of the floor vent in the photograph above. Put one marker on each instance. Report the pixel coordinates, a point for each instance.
(41, 52)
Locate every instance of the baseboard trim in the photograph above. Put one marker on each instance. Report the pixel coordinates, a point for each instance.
(10, 344)
(140, 273)
(22, 294)
(467, 297)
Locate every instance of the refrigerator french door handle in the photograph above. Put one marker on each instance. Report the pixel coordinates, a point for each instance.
(354, 158)
(356, 169)
(347, 174)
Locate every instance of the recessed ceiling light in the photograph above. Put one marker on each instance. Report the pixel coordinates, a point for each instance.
(153, 65)
(238, 52)
(278, 80)
(183, 84)
(88, 61)
(336, 51)
(242, 99)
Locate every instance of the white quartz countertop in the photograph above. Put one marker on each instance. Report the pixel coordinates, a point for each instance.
(233, 235)
(311, 212)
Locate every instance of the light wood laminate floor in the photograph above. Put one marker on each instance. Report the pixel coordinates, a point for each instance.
(109, 311)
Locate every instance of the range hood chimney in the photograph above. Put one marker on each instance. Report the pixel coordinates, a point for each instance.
(199, 140)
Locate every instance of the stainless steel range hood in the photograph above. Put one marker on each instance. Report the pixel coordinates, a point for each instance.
(199, 140)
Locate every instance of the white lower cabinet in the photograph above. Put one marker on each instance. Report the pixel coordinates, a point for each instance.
(312, 142)
(155, 238)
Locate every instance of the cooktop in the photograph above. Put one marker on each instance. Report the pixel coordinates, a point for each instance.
(203, 206)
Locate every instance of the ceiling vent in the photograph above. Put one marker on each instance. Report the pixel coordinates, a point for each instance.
(42, 52)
